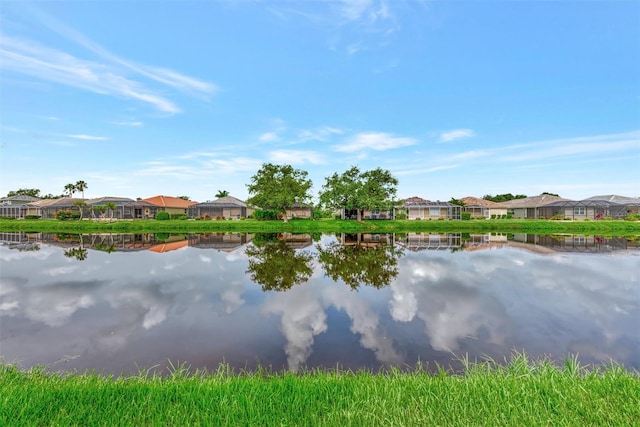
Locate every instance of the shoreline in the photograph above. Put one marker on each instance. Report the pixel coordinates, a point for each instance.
(611, 228)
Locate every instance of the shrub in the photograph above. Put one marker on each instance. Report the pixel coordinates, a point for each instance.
(163, 216)
(509, 215)
(265, 215)
(401, 216)
(32, 217)
(465, 216)
(63, 215)
(557, 217)
(179, 216)
(493, 216)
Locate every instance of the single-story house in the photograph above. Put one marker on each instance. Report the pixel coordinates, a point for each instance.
(593, 208)
(300, 211)
(15, 206)
(224, 207)
(367, 214)
(531, 207)
(49, 208)
(481, 208)
(171, 205)
(418, 208)
(125, 208)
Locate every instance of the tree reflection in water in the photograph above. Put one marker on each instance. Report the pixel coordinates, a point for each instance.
(275, 265)
(359, 263)
(78, 253)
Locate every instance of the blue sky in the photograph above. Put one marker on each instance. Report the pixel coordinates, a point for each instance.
(455, 98)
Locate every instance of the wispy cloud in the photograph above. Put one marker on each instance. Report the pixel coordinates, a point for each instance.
(269, 137)
(297, 157)
(452, 135)
(322, 133)
(87, 137)
(108, 74)
(378, 141)
(556, 149)
(420, 171)
(131, 123)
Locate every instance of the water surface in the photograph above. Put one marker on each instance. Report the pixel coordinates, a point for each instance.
(123, 303)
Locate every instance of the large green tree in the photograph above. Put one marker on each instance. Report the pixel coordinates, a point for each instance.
(32, 192)
(279, 187)
(360, 191)
(503, 197)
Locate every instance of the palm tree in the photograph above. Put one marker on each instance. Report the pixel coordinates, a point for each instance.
(221, 193)
(81, 186)
(70, 189)
(80, 204)
(112, 207)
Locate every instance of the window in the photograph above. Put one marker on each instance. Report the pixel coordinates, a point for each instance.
(579, 211)
(434, 211)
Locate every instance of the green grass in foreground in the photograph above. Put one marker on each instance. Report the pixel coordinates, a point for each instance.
(617, 228)
(522, 393)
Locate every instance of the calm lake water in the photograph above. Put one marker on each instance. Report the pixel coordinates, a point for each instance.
(122, 303)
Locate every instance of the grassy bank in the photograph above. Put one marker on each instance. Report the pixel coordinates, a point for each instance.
(611, 228)
(520, 393)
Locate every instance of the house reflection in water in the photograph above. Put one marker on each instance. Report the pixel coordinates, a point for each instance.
(366, 239)
(429, 241)
(225, 242)
(575, 242)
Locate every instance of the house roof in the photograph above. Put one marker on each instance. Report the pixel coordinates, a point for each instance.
(614, 198)
(429, 204)
(61, 202)
(119, 201)
(533, 202)
(415, 199)
(228, 201)
(171, 246)
(169, 202)
(20, 198)
(475, 201)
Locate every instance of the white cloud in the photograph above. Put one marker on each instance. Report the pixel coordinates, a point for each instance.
(268, 137)
(374, 141)
(131, 123)
(87, 137)
(452, 135)
(296, 157)
(108, 75)
(319, 134)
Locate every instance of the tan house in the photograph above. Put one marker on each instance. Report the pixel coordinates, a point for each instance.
(531, 207)
(171, 205)
(418, 208)
(227, 207)
(299, 211)
(481, 208)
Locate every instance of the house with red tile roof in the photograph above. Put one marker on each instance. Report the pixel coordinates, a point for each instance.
(171, 205)
(481, 208)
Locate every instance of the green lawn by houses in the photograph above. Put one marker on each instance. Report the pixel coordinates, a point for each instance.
(612, 228)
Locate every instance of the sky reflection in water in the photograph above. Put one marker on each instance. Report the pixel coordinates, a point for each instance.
(126, 311)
